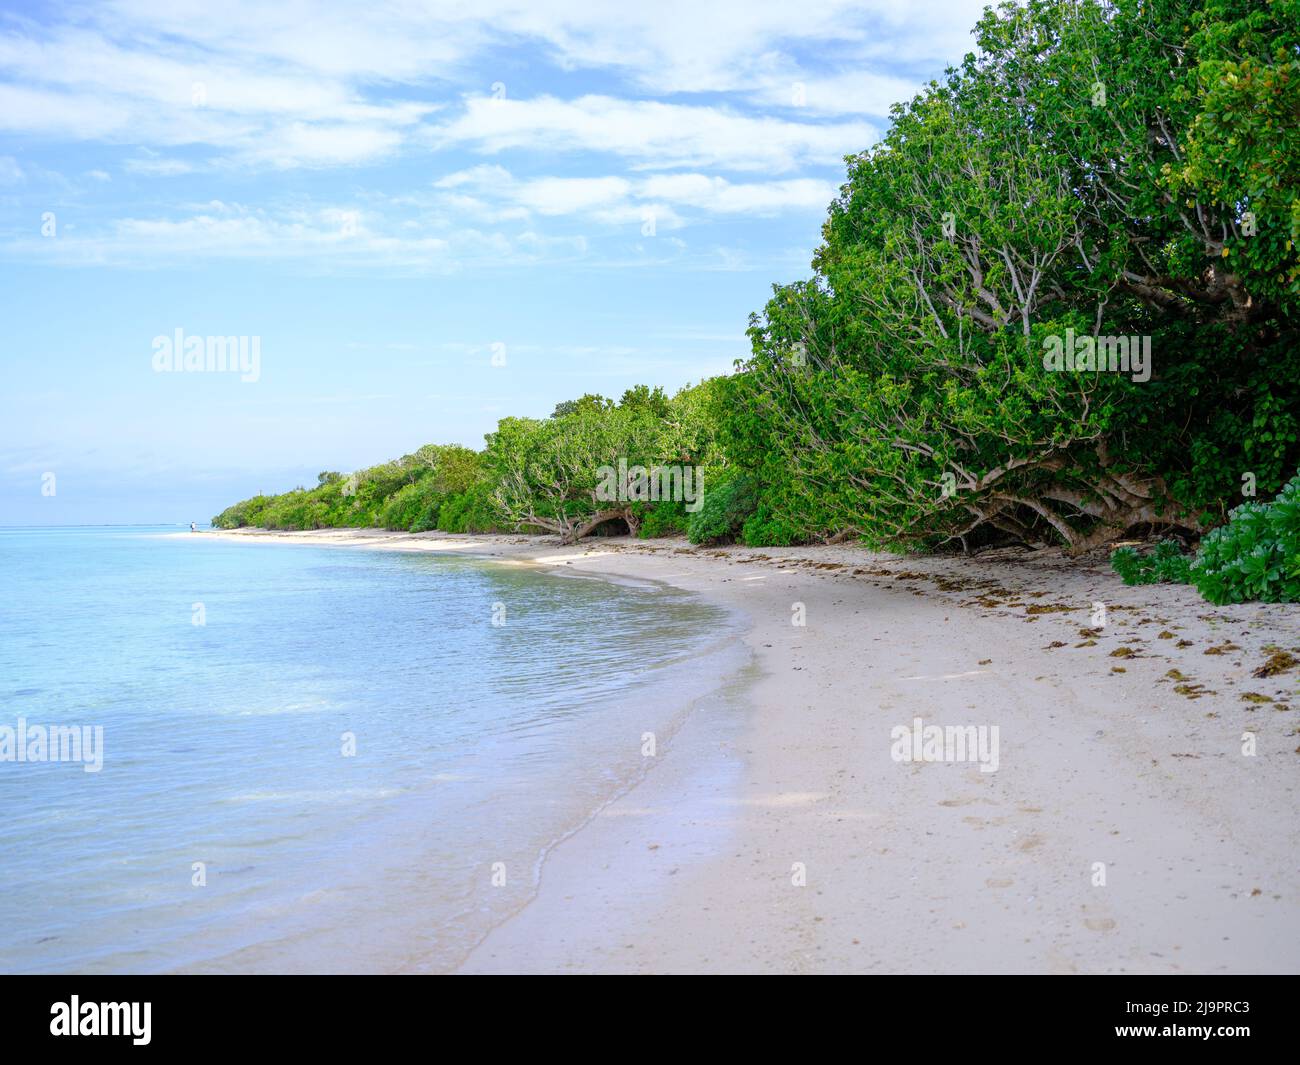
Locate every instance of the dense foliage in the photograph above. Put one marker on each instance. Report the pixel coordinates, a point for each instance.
(437, 487)
(535, 473)
(555, 473)
(1123, 170)
(1057, 302)
(1164, 564)
(1256, 555)
(730, 502)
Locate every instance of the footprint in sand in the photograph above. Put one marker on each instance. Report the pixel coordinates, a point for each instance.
(1099, 924)
(994, 882)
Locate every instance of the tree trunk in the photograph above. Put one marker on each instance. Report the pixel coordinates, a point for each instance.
(580, 529)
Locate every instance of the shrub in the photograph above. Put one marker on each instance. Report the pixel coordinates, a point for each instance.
(1165, 564)
(768, 527)
(412, 505)
(247, 512)
(470, 511)
(1256, 555)
(663, 519)
(729, 500)
(427, 519)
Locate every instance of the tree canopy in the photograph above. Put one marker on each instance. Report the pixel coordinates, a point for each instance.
(1057, 302)
(1081, 176)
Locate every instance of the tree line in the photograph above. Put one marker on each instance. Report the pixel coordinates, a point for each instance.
(1056, 304)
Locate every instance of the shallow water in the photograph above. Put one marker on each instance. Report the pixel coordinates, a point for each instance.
(226, 743)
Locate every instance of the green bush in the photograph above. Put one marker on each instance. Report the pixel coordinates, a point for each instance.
(1256, 555)
(768, 527)
(247, 512)
(427, 519)
(412, 505)
(470, 511)
(454, 514)
(1165, 564)
(663, 519)
(728, 501)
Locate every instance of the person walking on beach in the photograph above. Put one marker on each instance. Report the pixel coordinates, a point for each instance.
(193, 527)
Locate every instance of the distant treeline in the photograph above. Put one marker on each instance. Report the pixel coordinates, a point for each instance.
(1057, 303)
(588, 468)
(437, 487)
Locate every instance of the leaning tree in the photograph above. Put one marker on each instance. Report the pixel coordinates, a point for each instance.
(1074, 178)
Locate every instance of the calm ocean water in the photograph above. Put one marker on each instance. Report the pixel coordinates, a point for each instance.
(477, 747)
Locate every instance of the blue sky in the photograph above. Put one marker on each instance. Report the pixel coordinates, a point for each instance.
(387, 195)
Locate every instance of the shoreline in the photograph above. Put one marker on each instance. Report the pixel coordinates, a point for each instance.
(1121, 760)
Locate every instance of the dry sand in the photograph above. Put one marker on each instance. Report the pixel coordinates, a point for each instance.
(1119, 743)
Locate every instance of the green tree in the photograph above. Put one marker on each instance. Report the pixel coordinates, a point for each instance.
(554, 473)
(590, 403)
(902, 393)
(642, 397)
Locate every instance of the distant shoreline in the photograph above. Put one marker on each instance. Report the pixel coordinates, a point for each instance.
(933, 866)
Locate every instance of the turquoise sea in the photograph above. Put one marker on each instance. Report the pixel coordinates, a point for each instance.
(313, 758)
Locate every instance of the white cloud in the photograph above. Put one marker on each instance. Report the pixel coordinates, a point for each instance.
(80, 85)
(338, 238)
(675, 46)
(669, 46)
(325, 144)
(46, 114)
(552, 196)
(652, 134)
(718, 195)
(494, 191)
(546, 196)
(334, 83)
(854, 93)
(155, 166)
(691, 115)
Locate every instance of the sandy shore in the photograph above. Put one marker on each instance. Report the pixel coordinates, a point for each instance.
(1124, 830)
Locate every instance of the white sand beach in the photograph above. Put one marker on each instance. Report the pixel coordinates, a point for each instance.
(1124, 829)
